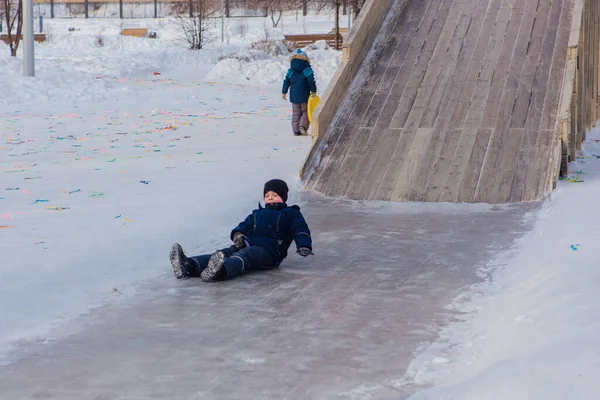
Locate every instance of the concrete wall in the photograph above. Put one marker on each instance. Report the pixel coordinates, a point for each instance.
(354, 50)
(579, 106)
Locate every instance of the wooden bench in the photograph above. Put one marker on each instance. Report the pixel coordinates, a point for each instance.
(38, 37)
(305, 40)
(343, 32)
(137, 32)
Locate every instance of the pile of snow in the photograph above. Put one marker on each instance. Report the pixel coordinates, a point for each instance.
(271, 47)
(267, 65)
(531, 331)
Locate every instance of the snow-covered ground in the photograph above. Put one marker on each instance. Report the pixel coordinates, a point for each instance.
(532, 331)
(73, 68)
(93, 147)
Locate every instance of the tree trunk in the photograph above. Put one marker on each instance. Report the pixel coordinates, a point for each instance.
(337, 25)
(356, 7)
(273, 20)
(11, 20)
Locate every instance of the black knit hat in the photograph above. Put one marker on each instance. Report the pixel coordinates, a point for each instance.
(279, 187)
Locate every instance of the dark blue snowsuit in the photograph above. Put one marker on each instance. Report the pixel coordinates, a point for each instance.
(270, 231)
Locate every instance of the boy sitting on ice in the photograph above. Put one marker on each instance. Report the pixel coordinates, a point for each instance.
(261, 241)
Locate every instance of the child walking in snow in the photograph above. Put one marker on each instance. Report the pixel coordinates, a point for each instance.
(300, 81)
(261, 241)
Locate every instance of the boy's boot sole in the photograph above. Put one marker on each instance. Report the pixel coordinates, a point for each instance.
(178, 260)
(214, 267)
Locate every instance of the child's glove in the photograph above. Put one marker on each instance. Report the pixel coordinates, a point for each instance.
(239, 240)
(284, 96)
(305, 252)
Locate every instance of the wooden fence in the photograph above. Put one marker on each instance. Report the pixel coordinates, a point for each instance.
(579, 109)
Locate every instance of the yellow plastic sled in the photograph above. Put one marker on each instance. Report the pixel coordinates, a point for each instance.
(313, 102)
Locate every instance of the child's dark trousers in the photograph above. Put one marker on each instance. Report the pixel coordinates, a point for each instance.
(238, 261)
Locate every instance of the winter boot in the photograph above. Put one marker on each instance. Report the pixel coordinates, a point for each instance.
(215, 270)
(183, 267)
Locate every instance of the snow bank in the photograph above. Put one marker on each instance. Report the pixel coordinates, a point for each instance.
(531, 332)
(260, 67)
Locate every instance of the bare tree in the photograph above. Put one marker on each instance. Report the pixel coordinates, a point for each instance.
(275, 8)
(337, 4)
(357, 5)
(12, 13)
(241, 27)
(194, 27)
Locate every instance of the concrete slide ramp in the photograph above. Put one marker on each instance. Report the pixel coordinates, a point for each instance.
(460, 105)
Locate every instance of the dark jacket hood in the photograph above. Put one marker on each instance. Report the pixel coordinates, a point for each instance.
(299, 65)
